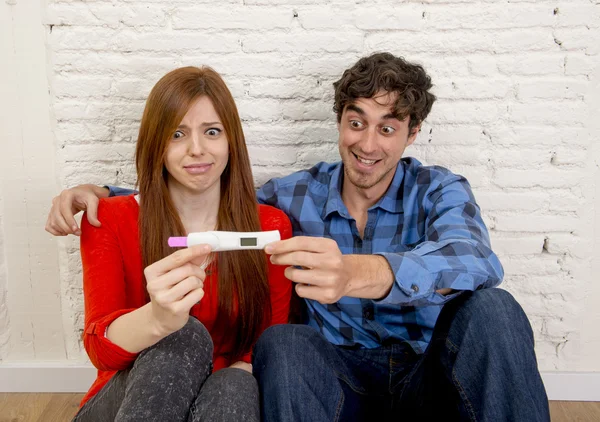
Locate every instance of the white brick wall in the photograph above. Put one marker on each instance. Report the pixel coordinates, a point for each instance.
(518, 87)
(4, 318)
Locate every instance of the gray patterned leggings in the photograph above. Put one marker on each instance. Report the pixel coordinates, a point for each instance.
(172, 381)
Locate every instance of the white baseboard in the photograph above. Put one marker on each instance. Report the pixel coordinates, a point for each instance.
(46, 377)
(77, 378)
(572, 386)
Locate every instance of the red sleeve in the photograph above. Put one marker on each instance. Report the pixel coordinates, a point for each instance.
(104, 292)
(280, 286)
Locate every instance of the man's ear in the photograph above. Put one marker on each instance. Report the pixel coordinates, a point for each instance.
(413, 134)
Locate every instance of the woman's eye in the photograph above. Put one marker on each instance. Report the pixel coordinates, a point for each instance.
(388, 130)
(355, 124)
(178, 134)
(213, 131)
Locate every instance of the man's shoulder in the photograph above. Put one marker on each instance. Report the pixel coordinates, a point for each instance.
(427, 176)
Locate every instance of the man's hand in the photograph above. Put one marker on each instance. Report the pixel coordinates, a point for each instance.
(324, 276)
(70, 201)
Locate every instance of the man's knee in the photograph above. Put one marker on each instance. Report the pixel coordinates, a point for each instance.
(283, 348)
(491, 303)
(284, 339)
(493, 314)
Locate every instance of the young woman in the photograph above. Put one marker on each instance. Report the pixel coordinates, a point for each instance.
(171, 332)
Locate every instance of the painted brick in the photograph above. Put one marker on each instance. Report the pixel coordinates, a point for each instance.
(547, 178)
(208, 17)
(558, 88)
(515, 84)
(534, 223)
(325, 42)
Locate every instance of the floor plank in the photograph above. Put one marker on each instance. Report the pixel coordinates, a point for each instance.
(38, 407)
(23, 406)
(571, 411)
(61, 407)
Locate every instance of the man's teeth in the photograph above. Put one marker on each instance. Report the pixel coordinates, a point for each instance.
(367, 162)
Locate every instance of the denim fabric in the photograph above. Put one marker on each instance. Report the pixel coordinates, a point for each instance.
(172, 381)
(480, 366)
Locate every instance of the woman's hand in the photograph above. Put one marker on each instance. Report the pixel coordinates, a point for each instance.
(175, 284)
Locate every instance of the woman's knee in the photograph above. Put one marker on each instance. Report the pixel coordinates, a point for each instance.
(230, 394)
(232, 381)
(191, 346)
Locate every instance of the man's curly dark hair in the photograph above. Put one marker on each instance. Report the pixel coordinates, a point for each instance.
(386, 72)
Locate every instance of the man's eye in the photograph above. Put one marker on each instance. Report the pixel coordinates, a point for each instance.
(355, 124)
(213, 131)
(388, 130)
(178, 134)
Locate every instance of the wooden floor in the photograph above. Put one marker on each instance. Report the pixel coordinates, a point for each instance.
(54, 407)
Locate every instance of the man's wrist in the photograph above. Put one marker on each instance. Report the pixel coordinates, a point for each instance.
(100, 191)
(369, 276)
(385, 277)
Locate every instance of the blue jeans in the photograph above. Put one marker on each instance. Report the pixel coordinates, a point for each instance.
(479, 366)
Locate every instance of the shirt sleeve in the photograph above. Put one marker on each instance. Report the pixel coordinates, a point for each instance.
(455, 251)
(117, 191)
(267, 194)
(104, 294)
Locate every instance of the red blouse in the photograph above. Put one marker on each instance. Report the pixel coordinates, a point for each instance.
(113, 285)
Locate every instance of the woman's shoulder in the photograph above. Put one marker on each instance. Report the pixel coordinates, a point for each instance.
(118, 209)
(272, 218)
(118, 217)
(125, 202)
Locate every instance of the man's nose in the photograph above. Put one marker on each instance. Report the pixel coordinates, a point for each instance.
(369, 142)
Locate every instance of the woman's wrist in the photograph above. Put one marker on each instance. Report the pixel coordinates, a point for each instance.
(157, 329)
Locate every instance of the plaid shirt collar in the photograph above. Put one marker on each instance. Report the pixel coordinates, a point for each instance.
(391, 201)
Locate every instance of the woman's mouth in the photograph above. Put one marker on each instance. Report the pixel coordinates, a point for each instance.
(197, 168)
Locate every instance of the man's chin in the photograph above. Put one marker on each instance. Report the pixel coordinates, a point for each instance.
(360, 180)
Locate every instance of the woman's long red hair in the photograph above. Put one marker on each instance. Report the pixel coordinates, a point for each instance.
(242, 276)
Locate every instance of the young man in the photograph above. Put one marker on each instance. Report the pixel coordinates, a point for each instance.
(394, 264)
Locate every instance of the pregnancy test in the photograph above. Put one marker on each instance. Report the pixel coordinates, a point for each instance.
(226, 241)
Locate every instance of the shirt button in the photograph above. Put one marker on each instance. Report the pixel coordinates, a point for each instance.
(415, 288)
(368, 314)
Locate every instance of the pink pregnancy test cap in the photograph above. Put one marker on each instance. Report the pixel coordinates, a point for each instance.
(178, 242)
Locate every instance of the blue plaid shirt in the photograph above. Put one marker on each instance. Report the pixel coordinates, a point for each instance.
(427, 226)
